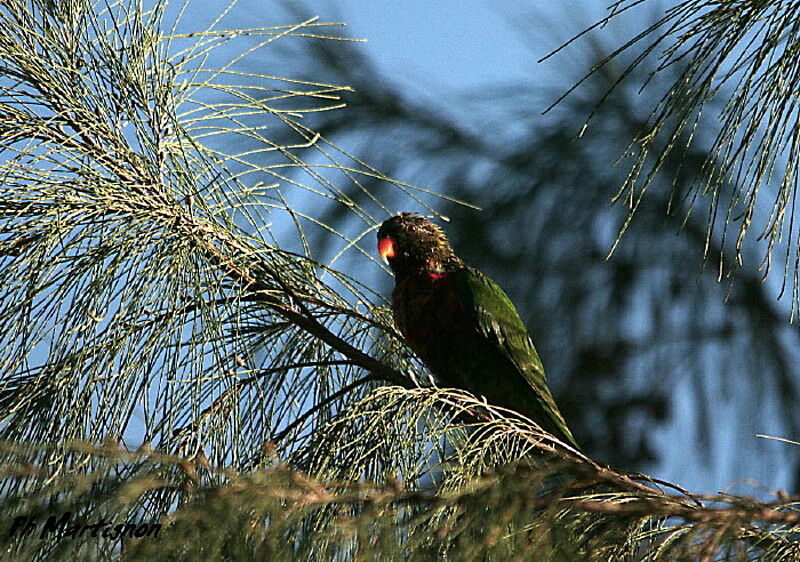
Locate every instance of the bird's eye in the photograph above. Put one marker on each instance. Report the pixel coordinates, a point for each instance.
(411, 228)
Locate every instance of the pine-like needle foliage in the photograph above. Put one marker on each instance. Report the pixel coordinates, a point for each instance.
(159, 293)
(739, 64)
(144, 294)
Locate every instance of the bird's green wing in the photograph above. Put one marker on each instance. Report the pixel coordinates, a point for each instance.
(497, 320)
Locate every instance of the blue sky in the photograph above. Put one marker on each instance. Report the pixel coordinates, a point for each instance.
(452, 45)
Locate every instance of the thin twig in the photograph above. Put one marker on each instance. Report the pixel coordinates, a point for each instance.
(321, 404)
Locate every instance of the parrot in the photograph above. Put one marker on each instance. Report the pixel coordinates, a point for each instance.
(462, 325)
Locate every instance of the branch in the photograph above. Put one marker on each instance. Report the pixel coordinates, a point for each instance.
(220, 249)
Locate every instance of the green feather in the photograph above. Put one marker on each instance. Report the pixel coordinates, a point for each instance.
(499, 326)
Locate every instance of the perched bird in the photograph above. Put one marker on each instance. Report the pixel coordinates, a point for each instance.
(463, 325)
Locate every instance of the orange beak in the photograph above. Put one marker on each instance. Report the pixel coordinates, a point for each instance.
(386, 248)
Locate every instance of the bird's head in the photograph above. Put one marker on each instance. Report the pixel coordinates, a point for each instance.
(408, 243)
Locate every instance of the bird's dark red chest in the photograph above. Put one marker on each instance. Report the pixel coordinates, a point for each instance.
(428, 311)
